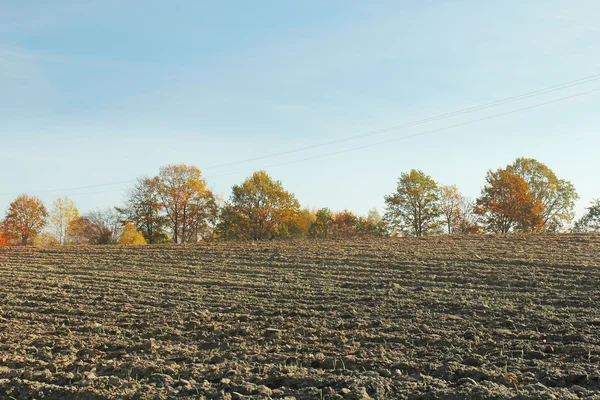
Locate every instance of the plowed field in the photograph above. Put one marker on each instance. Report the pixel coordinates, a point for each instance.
(437, 318)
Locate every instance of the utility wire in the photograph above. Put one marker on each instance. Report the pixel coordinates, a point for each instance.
(538, 92)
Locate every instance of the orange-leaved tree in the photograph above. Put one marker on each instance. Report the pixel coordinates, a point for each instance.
(506, 204)
(25, 218)
(260, 208)
(557, 196)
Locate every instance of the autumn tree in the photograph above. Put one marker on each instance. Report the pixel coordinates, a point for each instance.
(25, 218)
(63, 213)
(143, 208)
(414, 207)
(556, 196)
(96, 227)
(260, 208)
(468, 220)
(322, 225)
(344, 225)
(300, 226)
(130, 236)
(372, 226)
(189, 205)
(506, 204)
(590, 222)
(450, 206)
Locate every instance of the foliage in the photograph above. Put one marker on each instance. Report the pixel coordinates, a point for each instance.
(414, 207)
(556, 196)
(345, 225)
(144, 209)
(300, 226)
(96, 227)
(63, 213)
(590, 222)
(322, 226)
(507, 204)
(450, 205)
(190, 207)
(467, 222)
(260, 208)
(131, 236)
(4, 239)
(46, 239)
(25, 218)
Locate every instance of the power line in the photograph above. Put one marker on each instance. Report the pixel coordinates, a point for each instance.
(538, 92)
(506, 100)
(422, 133)
(400, 138)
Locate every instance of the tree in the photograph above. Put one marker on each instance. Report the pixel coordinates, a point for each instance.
(507, 204)
(414, 207)
(63, 213)
(131, 236)
(144, 209)
(344, 225)
(450, 205)
(322, 226)
(557, 196)
(25, 218)
(189, 205)
(372, 226)
(96, 227)
(467, 223)
(260, 208)
(302, 223)
(590, 222)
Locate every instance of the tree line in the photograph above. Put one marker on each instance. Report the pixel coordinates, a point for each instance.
(176, 206)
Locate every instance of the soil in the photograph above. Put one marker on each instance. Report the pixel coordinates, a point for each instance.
(479, 317)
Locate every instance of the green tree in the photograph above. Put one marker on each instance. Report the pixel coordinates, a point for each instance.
(25, 218)
(144, 209)
(556, 196)
(322, 226)
(590, 222)
(414, 208)
(260, 208)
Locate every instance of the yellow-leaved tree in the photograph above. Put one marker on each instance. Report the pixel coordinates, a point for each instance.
(63, 213)
(260, 208)
(190, 207)
(131, 236)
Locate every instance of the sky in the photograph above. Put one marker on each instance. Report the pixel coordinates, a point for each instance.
(94, 94)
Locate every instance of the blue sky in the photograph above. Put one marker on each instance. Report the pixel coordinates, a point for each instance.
(100, 92)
